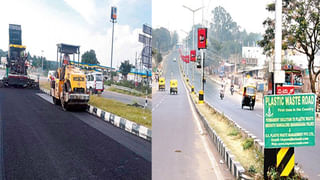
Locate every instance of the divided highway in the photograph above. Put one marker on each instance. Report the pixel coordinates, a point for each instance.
(180, 148)
(307, 157)
(41, 141)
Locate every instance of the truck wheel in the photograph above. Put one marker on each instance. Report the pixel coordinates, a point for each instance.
(55, 101)
(64, 105)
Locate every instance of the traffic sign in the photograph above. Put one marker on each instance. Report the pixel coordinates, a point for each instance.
(289, 120)
(147, 29)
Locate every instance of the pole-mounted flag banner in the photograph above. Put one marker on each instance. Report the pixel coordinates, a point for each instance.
(187, 58)
(114, 13)
(193, 55)
(202, 38)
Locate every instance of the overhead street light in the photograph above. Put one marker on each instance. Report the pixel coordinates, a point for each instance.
(186, 41)
(193, 11)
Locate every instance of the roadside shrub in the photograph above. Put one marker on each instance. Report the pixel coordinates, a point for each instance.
(247, 143)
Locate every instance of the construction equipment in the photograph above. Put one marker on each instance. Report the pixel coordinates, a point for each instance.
(17, 63)
(68, 87)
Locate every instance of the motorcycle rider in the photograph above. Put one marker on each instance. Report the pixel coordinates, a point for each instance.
(222, 91)
(232, 89)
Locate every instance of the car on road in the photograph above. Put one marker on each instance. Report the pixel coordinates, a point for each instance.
(162, 84)
(173, 86)
(174, 59)
(95, 82)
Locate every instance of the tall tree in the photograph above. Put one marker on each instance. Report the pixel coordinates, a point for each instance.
(161, 39)
(125, 68)
(89, 57)
(174, 38)
(300, 30)
(226, 38)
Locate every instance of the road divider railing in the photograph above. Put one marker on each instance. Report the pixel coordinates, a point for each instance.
(122, 123)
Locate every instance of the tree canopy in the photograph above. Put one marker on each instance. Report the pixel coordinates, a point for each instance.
(225, 37)
(163, 40)
(300, 32)
(89, 57)
(125, 68)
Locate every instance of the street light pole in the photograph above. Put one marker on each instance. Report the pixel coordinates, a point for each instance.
(193, 11)
(42, 60)
(187, 40)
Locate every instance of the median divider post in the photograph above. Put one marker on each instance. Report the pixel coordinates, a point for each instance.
(201, 97)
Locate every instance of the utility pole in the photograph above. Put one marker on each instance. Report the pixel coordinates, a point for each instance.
(42, 60)
(113, 20)
(187, 42)
(193, 11)
(270, 155)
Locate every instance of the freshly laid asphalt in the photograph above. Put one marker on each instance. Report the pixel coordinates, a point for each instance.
(41, 141)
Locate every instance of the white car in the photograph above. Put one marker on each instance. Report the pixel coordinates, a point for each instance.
(95, 82)
(174, 59)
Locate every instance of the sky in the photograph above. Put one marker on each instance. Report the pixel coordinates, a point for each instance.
(46, 23)
(249, 14)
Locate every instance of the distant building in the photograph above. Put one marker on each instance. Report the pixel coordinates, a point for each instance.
(254, 56)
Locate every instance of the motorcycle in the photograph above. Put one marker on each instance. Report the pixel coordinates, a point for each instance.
(221, 95)
(231, 90)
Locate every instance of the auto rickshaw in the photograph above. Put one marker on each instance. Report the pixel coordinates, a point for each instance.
(249, 96)
(162, 84)
(173, 86)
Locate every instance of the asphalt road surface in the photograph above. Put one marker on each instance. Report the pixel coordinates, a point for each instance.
(307, 157)
(179, 149)
(127, 99)
(40, 141)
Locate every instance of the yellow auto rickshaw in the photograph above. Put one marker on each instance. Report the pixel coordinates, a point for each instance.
(173, 86)
(249, 96)
(162, 84)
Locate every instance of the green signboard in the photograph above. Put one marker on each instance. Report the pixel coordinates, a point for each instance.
(289, 120)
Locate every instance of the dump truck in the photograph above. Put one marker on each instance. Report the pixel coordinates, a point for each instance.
(68, 87)
(17, 63)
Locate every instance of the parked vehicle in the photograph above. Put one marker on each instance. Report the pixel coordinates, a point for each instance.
(95, 82)
(249, 96)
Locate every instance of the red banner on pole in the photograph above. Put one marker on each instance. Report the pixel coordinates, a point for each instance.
(202, 38)
(193, 55)
(186, 59)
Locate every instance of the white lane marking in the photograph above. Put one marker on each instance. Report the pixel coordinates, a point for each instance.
(259, 115)
(213, 161)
